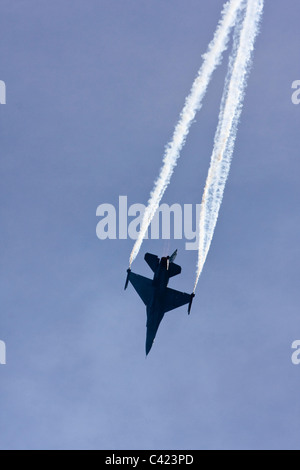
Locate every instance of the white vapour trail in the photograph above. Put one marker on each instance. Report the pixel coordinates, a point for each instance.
(231, 108)
(193, 103)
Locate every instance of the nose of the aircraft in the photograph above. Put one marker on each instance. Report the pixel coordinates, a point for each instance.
(149, 344)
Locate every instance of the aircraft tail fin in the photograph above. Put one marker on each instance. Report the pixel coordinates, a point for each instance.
(173, 256)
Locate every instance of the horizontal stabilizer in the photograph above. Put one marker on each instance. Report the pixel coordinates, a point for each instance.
(174, 270)
(152, 260)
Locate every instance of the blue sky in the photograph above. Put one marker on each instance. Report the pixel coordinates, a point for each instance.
(94, 89)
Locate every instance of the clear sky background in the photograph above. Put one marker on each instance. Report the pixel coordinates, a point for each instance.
(94, 89)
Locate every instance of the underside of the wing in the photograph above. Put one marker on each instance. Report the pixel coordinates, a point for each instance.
(174, 299)
(143, 286)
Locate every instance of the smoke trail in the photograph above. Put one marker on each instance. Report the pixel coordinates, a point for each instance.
(230, 112)
(193, 103)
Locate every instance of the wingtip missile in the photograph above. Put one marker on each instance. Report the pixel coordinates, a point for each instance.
(127, 278)
(190, 304)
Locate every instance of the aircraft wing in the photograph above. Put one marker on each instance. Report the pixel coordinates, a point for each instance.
(143, 286)
(174, 299)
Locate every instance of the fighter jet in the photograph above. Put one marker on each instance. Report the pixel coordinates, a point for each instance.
(155, 294)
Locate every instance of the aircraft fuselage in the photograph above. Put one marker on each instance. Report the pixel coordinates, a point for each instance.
(155, 312)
